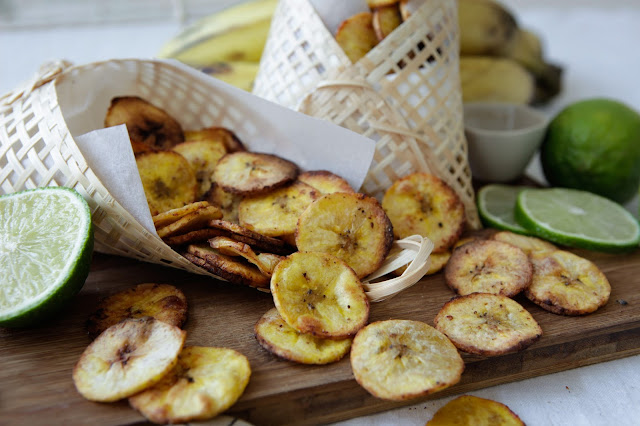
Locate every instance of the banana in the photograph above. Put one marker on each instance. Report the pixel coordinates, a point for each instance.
(485, 27)
(235, 34)
(238, 74)
(486, 78)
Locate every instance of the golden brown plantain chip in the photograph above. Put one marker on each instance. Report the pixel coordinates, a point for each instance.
(226, 201)
(529, 245)
(229, 268)
(402, 359)
(487, 324)
(205, 382)
(203, 156)
(276, 213)
(319, 294)
(276, 336)
(422, 204)
(193, 221)
(252, 173)
(167, 179)
(197, 236)
(265, 262)
(567, 284)
(165, 218)
(126, 358)
(356, 36)
(163, 302)
(385, 20)
(254, 239)
(146, 123)
(325, 181)
(350, 226)
(216, 134)
(488, 266)
(471, 410)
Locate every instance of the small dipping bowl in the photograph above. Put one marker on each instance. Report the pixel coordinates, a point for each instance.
(502, 139)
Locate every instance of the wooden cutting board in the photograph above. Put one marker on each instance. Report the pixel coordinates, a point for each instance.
(36, 364)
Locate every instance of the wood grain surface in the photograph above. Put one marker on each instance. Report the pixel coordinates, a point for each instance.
(36, 385)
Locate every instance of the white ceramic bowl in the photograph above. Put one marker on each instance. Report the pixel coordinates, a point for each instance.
(502, 139)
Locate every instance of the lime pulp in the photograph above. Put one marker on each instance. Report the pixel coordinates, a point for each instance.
(496, 205)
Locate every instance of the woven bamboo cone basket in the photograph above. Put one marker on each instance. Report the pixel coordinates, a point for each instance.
(37, 148)
(404, 94)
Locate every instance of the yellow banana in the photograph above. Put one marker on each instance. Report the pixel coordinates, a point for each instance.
(485, 27)
(486, 78)
(235, 34)
(239, 74)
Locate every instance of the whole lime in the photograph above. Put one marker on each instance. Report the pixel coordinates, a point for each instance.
(594, 145)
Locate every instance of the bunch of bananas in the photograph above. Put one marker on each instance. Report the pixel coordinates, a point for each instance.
(499, 61)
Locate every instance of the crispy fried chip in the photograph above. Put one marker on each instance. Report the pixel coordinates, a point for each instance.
(127, 358)
(265, 262)
(352, 227)
(203, 156)
(205, 382)
(356, 36)
(567, 284)
(146, 123)
(319, 294)
(193, 221)
(167, 179)
(401, 359)
(373, 4)
(254, 239)
(529, 245)
(325, 181)
(229, 268)
(487, 324)
(407, 7)
(163, 302)
(276, 213)
(226, 201)
(488, 266)
(385, 20)
(471, 410)
(165, 218)
(423, 204)
(216, 134)
(276, 336)
(197, 236)
(252, 173)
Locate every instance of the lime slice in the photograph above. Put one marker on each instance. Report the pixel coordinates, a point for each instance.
(577, 218)
(496, 204)
(46, 242)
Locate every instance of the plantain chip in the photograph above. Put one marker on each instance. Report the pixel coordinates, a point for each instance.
(197, 236)
(193, 221)
(386, 19)
(350, 226)
(319, 294)
(167, 179)
(255, 240)
(163, 302)
(530, 245)
(126, 358)
(276, 213)
(423, 204)
(252, 173)
(276, 336)
(265, 262)
(567, 284)
(356, 36)
(471, 410)
(226, 201)
(488, 266)
(229, 268)
(325, 182)
(373, 4)
(146, 123)
(168, 217)
(203, 156)
(487, 324)
(205, 382)
(218, 135)
(402, 359)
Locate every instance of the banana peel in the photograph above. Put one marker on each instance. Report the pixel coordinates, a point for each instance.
(487, 78)
(238, 74)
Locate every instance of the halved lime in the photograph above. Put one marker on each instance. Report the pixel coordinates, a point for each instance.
(577, 218)
(46, 242)
(496, 204)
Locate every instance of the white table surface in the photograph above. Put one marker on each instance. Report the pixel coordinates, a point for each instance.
(598, 46)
